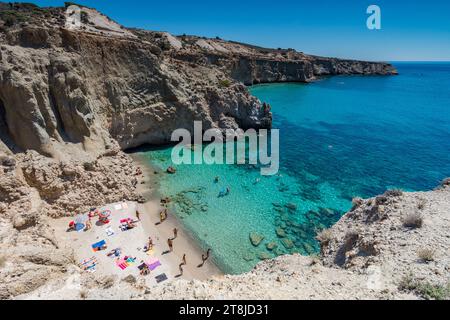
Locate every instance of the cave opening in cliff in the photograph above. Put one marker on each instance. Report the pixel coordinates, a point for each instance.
(4, 130)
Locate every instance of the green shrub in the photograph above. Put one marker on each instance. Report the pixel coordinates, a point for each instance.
(225, 83)
(434, 292)
(425, 290)
(11, 17)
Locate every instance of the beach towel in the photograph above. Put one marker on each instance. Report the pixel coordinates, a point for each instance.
(118, 206)
(131, 261)
(88, 260)
(89, 265)
(96, 246)
(122, 264)
(109, 232)
(153, 264)
(161, 278)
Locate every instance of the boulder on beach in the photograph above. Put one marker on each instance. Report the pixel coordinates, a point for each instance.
(256, 238)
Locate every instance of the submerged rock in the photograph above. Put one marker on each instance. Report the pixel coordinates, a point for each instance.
(287, 243)
(249, 257)
(256, 238)
(278, 252)
(309, 248)
(264, 256)
(271, 246)
(280, 233)
(291, 206)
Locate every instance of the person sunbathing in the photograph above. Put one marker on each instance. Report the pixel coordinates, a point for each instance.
(145, 271)
(130, 225)
(93, 213)
(114, 252)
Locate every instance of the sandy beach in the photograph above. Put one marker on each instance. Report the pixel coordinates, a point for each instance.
(132, 242)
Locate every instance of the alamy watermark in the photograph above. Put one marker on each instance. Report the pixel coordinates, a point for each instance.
(228, 147)
(374, 20)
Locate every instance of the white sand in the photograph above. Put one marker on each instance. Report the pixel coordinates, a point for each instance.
(132, 242)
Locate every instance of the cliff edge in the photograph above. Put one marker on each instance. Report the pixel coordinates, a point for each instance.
(73, 97)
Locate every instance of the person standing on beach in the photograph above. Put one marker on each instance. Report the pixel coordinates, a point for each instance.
(175, 233)
(88, 224)
(170, 244)
(150, 244)
(205, 257)
(163, 216)
(138, 215)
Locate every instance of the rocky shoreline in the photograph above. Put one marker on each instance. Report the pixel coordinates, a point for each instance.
(72, 100)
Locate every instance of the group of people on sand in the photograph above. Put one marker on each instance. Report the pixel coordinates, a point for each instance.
(129, 224)
(183, 263)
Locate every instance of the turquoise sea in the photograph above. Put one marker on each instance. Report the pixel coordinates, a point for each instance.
(340, 137)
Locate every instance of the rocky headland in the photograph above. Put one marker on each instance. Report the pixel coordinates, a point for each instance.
(73, 99)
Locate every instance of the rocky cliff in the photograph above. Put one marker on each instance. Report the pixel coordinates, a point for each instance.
(99, 83)
(73, 97)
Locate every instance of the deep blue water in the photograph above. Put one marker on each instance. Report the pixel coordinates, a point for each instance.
(340, 137)
(367, 134)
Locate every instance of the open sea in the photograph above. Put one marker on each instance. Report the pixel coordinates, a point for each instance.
(340, 137)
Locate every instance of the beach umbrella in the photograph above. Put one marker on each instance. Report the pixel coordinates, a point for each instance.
(81, 219)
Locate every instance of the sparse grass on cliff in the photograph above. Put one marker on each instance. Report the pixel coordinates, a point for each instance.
(425, 289)
(421, 205)
(324, 236)
(2, 261)
(225, 83)
(413, 220)
(426, 255)
(11, 17)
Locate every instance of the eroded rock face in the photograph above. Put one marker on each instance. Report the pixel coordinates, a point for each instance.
(99, 82)
(34, 189)
(71, 100)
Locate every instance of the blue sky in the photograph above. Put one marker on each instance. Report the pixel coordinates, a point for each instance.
(411, 30)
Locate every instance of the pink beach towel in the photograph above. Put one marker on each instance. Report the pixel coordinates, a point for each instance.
(122, 264)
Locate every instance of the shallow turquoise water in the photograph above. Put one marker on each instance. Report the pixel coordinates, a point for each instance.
(340, 137)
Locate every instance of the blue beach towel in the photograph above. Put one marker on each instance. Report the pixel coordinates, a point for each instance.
(98, 245)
